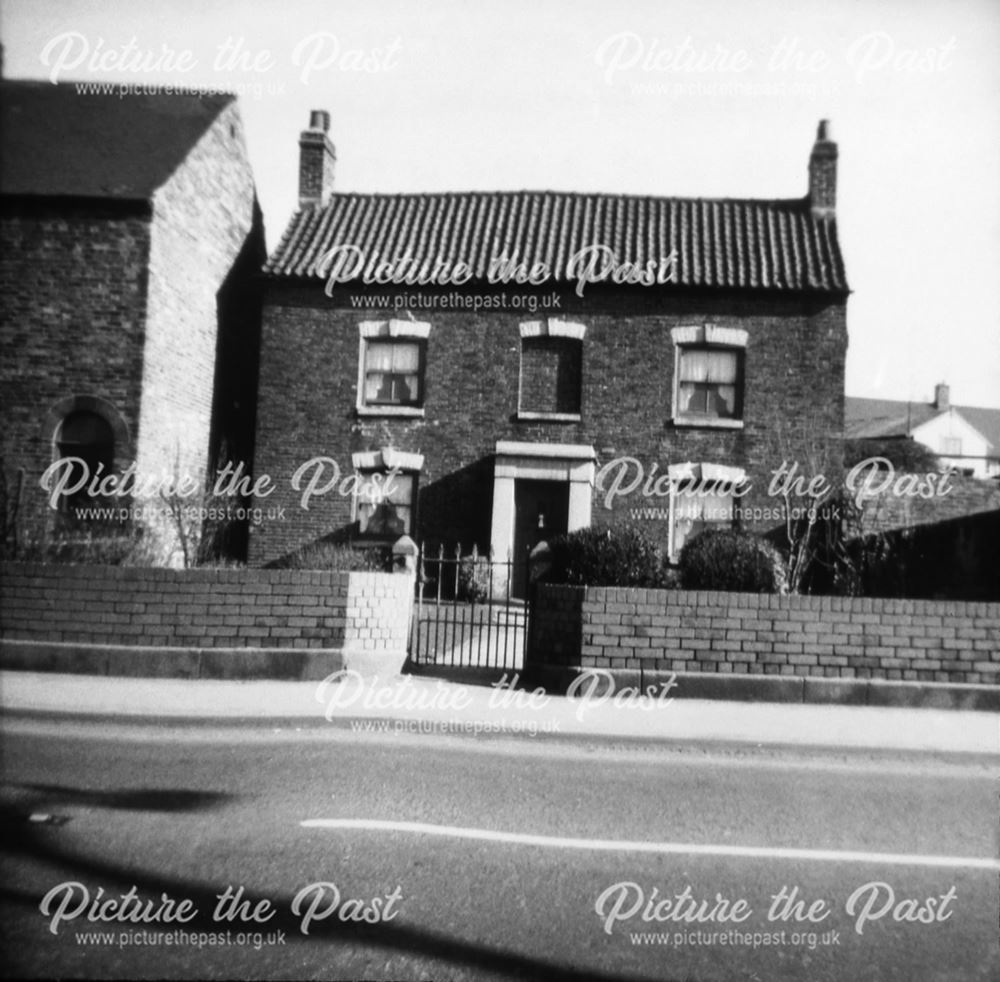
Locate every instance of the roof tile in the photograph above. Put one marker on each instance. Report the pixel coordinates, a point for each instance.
(775, 244)
(881, 418)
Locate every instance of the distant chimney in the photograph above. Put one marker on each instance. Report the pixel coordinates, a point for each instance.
(316, 160)
(823, 173)
(942, 396)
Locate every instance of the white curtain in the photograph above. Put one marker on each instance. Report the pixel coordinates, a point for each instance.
(385, 358)
(715, 367)
(695, 511)
(380, 513)
(378, 358)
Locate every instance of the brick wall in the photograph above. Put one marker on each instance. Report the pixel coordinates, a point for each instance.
(550, 375)
(308, 387)
(760, 634)
(202, 219)
(72, 321)
(886, 511)
(120, 301)
(201, 608)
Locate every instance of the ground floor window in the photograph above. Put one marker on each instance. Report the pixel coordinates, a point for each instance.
(385, 504)
(386, 497)
(702, 496)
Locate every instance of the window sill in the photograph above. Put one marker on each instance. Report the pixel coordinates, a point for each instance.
(411, 412)
(548, 417)
(707, 422)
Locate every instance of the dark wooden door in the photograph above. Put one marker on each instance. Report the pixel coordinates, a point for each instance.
(541, 511)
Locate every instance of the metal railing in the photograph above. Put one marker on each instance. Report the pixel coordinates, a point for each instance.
(465, 613)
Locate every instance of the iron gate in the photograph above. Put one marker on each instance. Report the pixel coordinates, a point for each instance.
(465, 614)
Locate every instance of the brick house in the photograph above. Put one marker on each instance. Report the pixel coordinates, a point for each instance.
(447, 338)
(131, 236)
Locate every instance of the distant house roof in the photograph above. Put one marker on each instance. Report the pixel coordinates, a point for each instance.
(58, 142)
(763, 244)
(881, 418)
(987, 421)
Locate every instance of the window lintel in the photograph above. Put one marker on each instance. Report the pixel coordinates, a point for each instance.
(709, 334)
(393, 329)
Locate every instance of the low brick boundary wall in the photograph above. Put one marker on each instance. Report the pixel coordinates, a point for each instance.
(660, 631)
(202, 617)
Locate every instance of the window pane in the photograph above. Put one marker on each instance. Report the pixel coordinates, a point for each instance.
(708, 382)
(707, 365)
(686, 506)
(385, 508)
(708, 399)
(385, 519)
(721, 366)
(717, 509)
(401, 489)
(727, 399)
(405, 358)
(392, 389)
(696, 508)
(373, 385)
(682, 532)
(693, 398)
(404, 388)
(374, 488)
(392, 373)
(378, 357)
(694, 365)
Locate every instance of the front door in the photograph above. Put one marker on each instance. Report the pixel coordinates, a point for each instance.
(541, 511)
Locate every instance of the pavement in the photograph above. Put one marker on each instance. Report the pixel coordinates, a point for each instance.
(405, 704)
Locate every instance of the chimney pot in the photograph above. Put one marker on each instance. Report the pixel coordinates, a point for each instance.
(319, 119)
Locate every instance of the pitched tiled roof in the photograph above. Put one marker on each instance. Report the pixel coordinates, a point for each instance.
(58, 142)
(987, 421)
(719, 243)
(871, 418)
(878, 418)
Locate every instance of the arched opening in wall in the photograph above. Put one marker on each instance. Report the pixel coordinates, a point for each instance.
(91, 436)
(86, 439)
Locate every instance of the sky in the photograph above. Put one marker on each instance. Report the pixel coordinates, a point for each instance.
(711, 98)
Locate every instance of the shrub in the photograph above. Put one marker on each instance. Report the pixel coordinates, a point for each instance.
(904, 453)
(727, 559)
(474, 578)
(335, 556)
(128, 548)
(608, 557)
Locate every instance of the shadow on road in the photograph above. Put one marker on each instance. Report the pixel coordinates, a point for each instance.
(142, 799)
(20, 837)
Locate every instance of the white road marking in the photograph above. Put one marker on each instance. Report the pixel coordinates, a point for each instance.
(665, 848)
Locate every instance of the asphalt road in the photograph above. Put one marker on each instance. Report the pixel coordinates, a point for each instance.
(497, 859)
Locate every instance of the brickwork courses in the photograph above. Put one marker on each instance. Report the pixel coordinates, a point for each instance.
(206, 608)
(761, 634)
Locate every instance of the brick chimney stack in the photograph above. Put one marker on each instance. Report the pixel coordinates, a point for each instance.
(942, 396)
(823, 173)
(316, 159)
